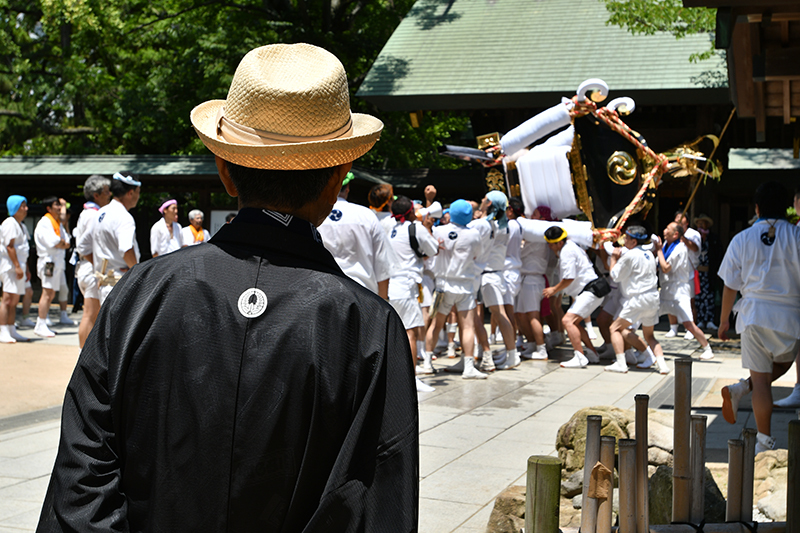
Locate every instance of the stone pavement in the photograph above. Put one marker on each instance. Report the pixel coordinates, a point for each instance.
(475, 436)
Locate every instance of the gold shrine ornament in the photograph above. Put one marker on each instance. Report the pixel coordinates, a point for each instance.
(621, 168)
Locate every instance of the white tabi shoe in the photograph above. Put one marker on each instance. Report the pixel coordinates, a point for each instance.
(731, 395)
(487, 363)
(578, 361)
(26, 323)
(470, 372)
(42, 330)
(688, 335)
(540, 354)
(764, 443)
(671, 333)
(16, 336)
(512, 360)
(662, 365)
(5, 336)
(65, 320)
(793, 400)
(707, 354)
(618, 366)
(423, 387)
(648, 360)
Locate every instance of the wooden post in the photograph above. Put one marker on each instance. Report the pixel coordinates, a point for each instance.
(642, 485)
(627, 486)
(792, 490)
(604, 510)
(542, 496)
(748, 473)
(590, 458)
(682, 470)
(733, 509)
(698, 467)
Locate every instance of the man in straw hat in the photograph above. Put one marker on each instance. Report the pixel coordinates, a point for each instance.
(249, 385)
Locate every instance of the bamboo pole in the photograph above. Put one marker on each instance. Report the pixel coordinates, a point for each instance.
(682, 471)
(733, 509)
(627, 486)
(604, 510)
(590, 458)
(748, 473)
(542, 496)
(792, 490)
(642, 514)
(698, 468)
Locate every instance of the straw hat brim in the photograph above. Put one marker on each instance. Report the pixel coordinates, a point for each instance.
(290, 156)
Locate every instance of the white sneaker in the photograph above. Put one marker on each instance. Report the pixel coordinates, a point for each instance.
(671, 333)
(470, 372)
(617, 366)
(26, 323)
(578, 361)
(793, 400)
(423, 370)
(487, 364)
(65, 319)
(5, 336)
(512, 360)
(423, 387)
(42, 330)
(764, 443)
(707, 354)
(16, 336)
(730, 399)
(649, 359)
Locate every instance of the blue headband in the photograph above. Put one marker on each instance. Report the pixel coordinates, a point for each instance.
(14, 202)
(637, 236)
(127, 179)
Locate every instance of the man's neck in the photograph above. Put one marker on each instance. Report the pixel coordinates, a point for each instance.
(122, 203)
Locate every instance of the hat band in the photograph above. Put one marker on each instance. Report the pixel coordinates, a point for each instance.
(235, 133)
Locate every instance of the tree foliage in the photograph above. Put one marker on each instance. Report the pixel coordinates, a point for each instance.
(121, 76)
(650, 16)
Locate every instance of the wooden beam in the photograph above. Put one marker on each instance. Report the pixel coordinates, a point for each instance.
(787, 101)
(776, 64)
(756, 18)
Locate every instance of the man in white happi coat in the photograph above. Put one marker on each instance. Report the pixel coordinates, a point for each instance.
(353, 235)
(635, 272)
(194, 233)
(14, 250)
(97, 191)
(114, 245)
(761, 263)
(380, 199)
(576, 274)
(166, 235)
(405, 286)
(51, 241)
(455, 284)
(534, 257)
(677, 289)
(693, 241)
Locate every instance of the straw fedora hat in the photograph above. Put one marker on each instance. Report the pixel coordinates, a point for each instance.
(288, 108)
(705, 217)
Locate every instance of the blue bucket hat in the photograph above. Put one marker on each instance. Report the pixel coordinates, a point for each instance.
(461, 212)
(14, 202)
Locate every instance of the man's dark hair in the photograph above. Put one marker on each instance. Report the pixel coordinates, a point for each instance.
(516, 206)
(679, 229)
(119, 188)
(380, 195)
(288, 189)
(553, 233)
(401, 205)
(229, 217)
(49, 201)
(772, 199)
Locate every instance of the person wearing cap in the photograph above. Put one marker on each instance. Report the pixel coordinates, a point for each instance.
(761, 264)
(14, 249)
(456, 279)
(165, 234)
(677, 290)
(380, 200)
(51, 242)
(635, 272)
(249, 384)
(114, 246)
(194, 233)
(358, 242)
(578, 280)
(97, 191)
(411, 241)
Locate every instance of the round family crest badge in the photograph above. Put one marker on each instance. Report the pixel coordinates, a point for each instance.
(252, 303)
(335, 215)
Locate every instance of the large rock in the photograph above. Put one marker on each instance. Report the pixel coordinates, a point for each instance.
(660, 498)
(658, 434)
(769, 483)
(571, 439)
(508, 514)
(573, 485)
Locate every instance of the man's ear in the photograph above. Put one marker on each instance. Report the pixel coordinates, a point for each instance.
(225, 177)
(331, 191)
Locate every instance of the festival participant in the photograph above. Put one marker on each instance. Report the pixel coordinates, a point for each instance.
(380, 200)
(248, 384)
(355, 238)
(676, 289)
(704, 300)
(97, 191)
(692, 239)
(114, 246)
(635, 273)
(64, 287)
(166, 234)
(50, 245)
(578, 280)
(411, 241)
(455, 280)
(761, 264)
(14, 249)
(535, 257)
(194, 233)
(511, 266)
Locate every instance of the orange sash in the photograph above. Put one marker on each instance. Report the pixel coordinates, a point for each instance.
(55, 223)
(198, 234)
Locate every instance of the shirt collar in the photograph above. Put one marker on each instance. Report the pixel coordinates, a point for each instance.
(276, 219)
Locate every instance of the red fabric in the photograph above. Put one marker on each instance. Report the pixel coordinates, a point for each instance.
(545, 307)
(696, 283)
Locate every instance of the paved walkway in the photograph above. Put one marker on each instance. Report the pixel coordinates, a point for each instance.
(475, 436)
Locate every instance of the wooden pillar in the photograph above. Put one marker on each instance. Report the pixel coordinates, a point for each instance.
(792, 489)
(642, 514)
(627, 486)
(682, 471)
(748, 473)
(542, 496)
(733, 509)
(698, 467)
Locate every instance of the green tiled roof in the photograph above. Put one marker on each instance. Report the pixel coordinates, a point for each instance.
(85, 165)
(462, 54)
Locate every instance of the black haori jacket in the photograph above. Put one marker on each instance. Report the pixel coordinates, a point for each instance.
(184, 415)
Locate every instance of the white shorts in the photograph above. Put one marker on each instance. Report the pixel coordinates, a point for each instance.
(529, 298)
(63, 289)
(428, 286)
(681, 308)
(642, 308)
(11, 284)
(51, 282)
(87, 283)
(462, 301)
(612, 304)
(410, 312)
(761, 347)
(493, 287)
(585, 304)
(513, 281)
